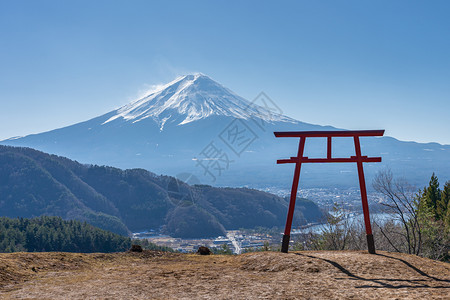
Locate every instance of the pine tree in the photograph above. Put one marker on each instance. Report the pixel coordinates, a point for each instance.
(430, 197)
(447, 219)
(444, 204)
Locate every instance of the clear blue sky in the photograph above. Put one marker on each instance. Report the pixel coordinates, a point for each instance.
(351, 64)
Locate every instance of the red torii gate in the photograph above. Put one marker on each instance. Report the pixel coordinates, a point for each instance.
(299, 159)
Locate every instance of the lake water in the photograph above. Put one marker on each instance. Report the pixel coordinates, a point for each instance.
(379, 218)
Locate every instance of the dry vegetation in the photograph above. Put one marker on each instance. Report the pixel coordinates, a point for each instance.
(260, 275)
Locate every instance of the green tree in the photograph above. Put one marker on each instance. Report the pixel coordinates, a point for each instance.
(447, 218)
(433, 206)
(430, 197)
(442, 208)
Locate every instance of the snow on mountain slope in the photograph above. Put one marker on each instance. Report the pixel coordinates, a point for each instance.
(194, 121)
(190, 98)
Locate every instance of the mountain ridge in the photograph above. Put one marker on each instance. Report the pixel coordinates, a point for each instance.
(33, 183)
(174, 129)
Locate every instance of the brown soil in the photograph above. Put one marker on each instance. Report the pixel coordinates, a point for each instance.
(262, 275)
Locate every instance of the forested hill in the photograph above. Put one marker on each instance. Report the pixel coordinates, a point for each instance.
(33, 183)
(55, 234)
(44, 234)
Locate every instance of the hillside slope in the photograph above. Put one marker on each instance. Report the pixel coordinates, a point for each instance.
(262, 275)
(33, 183)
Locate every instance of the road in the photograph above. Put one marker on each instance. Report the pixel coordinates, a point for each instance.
(236, 244)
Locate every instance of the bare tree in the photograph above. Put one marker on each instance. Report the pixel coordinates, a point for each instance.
(401, 203)
(341, 230)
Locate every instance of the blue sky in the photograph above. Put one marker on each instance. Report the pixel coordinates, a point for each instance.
(351, 64)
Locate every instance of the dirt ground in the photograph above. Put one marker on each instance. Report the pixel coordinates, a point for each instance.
(261, 275)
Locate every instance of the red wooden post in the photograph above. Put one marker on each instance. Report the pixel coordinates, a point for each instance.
(290, 216)
(365, 205)
(299, 159)
(329, 147)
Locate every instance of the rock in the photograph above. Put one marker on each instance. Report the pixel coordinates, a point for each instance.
(135, 248)
(203, 250)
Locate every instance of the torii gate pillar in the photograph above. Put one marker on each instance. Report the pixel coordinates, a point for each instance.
(299, 159)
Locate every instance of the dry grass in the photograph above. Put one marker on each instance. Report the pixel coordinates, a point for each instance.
(263, 275)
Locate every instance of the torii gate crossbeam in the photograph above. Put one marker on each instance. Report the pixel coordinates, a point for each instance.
(300, 159)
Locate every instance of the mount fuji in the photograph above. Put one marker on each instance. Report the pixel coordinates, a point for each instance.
(194, 125)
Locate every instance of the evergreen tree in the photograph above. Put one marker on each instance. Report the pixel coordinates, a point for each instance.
(433, 216)
(430, 197)
(443, 204)
(447, 218)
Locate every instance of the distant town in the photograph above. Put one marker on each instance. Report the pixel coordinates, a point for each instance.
(236, 240)
(350, 198)
(239, 241)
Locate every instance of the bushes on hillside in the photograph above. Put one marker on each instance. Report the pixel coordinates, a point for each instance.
(420, 226)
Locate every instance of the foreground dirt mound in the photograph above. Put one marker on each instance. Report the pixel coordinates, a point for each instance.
(276, 262)
(262, 275)
(19, 267)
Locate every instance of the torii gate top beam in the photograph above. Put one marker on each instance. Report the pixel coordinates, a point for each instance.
(331, 133)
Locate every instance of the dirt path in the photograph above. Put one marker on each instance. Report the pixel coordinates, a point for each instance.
(263, 275)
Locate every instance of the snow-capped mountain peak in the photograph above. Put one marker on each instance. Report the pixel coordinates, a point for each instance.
(190, 98)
